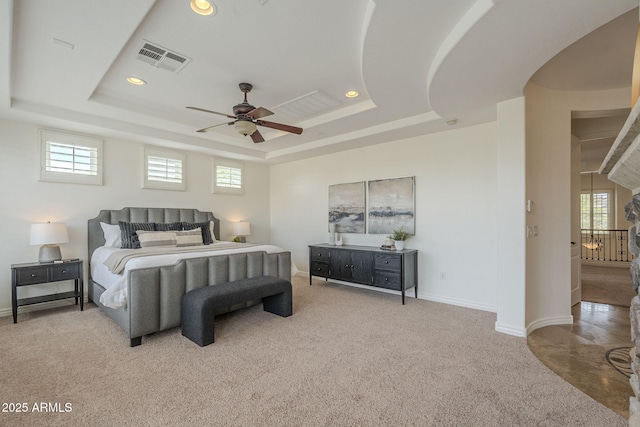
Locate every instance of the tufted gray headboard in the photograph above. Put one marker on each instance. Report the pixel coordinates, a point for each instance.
(96, 236)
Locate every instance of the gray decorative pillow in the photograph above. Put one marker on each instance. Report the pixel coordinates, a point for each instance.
(204, 226)
(128, 233)
(167, 226)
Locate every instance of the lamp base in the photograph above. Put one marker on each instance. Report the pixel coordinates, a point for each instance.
(240, 239)
(49, 253)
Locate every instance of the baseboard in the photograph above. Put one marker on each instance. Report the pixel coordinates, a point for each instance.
(606, 264)
(410, 293)
(41, 306)
(517, 332)
(549, 321)
(459, 303)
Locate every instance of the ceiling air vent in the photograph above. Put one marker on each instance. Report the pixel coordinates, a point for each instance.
(160, 57)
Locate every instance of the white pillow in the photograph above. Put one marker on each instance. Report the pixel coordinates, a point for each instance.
(189, 237)
(112, 236)
(213, 235)
(157, 238)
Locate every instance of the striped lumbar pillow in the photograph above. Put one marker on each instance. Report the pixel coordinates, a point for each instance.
(156, 238)
(189, 237)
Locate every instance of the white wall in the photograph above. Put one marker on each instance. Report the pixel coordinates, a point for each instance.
(511, 258)
(456, 205)
(548, 169)
(25, 200)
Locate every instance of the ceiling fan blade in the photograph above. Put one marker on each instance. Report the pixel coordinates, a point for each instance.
(257, 137)
(212, 112)
(259, 112)
(279, 126)
(214, 126)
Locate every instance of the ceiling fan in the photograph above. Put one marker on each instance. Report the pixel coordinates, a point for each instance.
(246, 117)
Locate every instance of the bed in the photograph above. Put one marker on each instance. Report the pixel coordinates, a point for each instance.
(152, 287)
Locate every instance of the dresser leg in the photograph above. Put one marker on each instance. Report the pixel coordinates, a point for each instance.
(14, 303)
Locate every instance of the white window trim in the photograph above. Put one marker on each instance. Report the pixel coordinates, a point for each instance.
(167, 154)
(74, 139)
(215, 188)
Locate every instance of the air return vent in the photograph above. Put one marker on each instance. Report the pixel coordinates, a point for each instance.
(160, 57)
(307, 105)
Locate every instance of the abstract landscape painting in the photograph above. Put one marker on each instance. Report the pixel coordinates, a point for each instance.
(391, 205)
(347, 207)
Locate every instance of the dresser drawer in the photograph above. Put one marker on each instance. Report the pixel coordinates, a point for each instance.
(62, 272)
(33, 275)
(387, 262)
(387, 279)
(320, 254)
(320, 269)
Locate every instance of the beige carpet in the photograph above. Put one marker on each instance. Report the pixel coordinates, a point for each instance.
(606, 285)
(347, 357)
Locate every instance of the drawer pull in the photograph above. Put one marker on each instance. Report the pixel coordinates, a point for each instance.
(386, 261)
(64, 271)
(33, 275)
(386, 279)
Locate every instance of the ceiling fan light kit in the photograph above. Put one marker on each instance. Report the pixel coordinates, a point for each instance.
(247, 118)
(244, 127)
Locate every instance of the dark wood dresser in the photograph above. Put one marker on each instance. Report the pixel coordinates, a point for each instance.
(396, 270)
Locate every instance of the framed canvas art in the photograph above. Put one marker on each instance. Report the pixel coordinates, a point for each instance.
(392, 205)
(347, 207)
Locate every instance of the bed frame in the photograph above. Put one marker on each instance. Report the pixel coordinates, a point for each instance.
(154, 294)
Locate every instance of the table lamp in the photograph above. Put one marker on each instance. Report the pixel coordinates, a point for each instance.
(47, 235)
(240, 230)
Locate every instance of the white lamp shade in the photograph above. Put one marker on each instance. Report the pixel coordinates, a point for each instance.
(241, 228)
(48, 233)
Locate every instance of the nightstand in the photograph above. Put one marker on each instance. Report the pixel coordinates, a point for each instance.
(37, 273)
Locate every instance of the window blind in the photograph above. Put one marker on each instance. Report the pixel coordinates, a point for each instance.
(164, 169)
(69, 158)
(227, 176)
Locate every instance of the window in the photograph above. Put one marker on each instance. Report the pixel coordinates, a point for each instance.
(72, 158)
(164, 169)
(227, 177)
(595, 212)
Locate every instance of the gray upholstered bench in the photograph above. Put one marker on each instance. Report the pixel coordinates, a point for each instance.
(199, 305)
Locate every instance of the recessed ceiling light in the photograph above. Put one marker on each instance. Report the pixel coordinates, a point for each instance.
(351, 94)
(202, 7)
(136, 81)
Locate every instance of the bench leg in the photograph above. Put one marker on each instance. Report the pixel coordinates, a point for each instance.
(198, 326)
(280, 304)
(136, 341)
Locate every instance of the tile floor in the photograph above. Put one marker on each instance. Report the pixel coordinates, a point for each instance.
(578, 352)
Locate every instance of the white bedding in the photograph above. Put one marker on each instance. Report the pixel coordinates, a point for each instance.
(115, 295)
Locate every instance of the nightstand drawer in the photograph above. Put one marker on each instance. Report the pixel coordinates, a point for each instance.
(388, 262)
(32, 275)
(64, 271)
